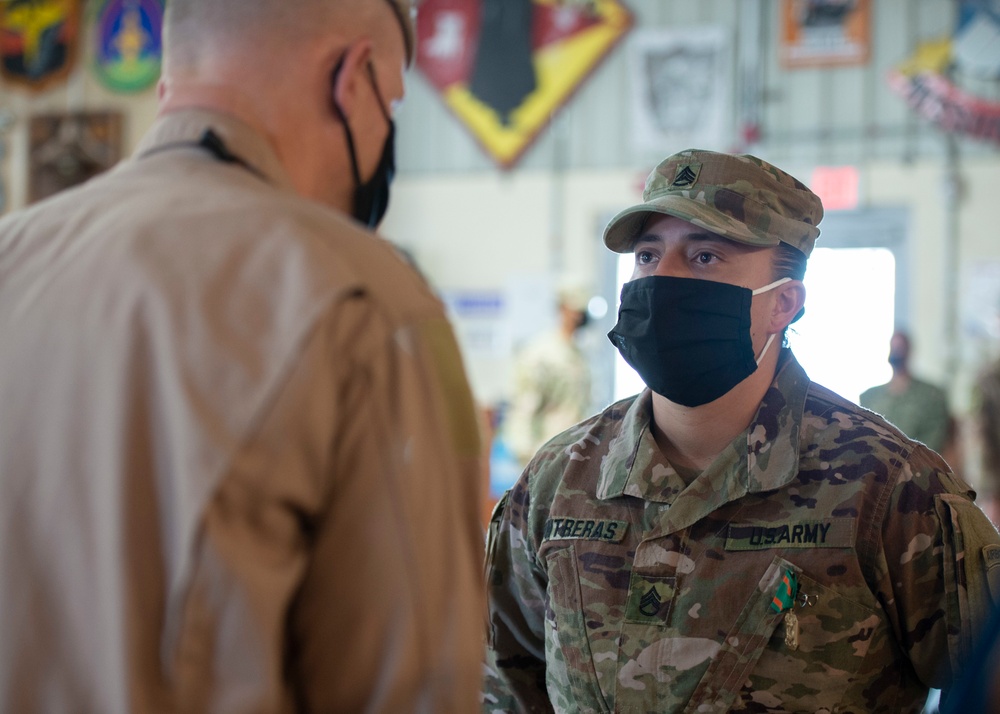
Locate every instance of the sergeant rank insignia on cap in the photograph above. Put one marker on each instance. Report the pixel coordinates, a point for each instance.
(686, 175)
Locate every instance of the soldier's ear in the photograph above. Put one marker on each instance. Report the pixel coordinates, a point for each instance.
(347, 77)
(789, 299)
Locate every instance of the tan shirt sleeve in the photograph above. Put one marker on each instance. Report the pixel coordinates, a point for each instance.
(341, 561)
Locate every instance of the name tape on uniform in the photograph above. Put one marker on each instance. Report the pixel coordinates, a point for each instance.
(584, 529)
(828, 533)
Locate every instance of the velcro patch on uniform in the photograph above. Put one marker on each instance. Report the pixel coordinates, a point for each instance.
(584, 529)
(826, 533)
(991, 556)
(649, 598)
(685, 175)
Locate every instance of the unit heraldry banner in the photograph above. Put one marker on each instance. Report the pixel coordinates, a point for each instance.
(38, 40)
(681, 89)
(504, 67)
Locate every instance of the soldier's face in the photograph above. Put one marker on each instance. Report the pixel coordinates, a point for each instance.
(673, 247)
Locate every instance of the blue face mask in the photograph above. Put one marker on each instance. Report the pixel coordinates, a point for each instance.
(371, 197)
(688, 339)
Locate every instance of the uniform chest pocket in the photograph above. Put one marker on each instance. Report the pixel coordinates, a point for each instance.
(570, 675)
(763, 666)
(815, 652)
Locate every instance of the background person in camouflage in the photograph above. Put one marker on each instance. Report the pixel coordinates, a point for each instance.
(761, 546)
(918, 408)
(551, 385)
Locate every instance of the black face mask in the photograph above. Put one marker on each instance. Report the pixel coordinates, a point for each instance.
(688, 339)
(897, 360)
(371, 197)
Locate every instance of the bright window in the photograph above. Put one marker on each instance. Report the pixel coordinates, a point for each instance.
(843, 339)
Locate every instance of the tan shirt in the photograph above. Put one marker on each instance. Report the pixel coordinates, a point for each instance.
(238, 453)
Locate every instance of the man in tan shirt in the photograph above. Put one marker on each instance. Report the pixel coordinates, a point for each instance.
(238, 453)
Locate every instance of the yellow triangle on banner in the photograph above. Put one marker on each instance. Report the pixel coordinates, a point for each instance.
(560, 68)
(933, 56)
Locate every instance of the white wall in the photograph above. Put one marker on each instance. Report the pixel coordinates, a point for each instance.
(474, 232)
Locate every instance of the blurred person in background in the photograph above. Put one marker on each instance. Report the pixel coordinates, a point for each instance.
(735, 538)
(240, 458)
(551, 384)
(918, 408)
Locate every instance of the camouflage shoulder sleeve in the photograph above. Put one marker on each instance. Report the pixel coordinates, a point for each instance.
(514, 672)
(942, 567)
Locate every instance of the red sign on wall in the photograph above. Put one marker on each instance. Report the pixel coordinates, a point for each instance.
(504, 67)
(836, 186)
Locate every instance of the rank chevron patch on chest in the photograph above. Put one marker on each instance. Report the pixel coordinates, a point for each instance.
(650, 603)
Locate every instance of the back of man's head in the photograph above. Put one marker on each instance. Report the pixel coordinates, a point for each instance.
(318, 79)
(199, 32)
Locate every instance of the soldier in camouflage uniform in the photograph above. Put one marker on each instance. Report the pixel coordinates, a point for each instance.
(551, 389)
(735, 538)
(918, 408)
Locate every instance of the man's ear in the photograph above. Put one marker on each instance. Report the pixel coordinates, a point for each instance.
(347, 76)
(788, 301)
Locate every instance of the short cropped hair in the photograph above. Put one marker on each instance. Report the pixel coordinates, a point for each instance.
(789, 262)
(194, 27)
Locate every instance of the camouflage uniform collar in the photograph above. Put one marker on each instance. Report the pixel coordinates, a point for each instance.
(763, 458)
(633, 443)
(773, 437)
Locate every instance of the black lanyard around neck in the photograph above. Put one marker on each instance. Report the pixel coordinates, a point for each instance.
(213, 144)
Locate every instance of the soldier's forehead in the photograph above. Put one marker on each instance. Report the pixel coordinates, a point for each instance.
(690, 232)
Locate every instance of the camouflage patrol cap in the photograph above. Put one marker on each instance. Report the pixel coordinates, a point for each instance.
(405, 12)
(737, 196)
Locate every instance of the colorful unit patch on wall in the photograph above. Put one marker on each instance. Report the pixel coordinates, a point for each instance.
(937, 81)
(504, 67)
(129, 43)
(38, 40)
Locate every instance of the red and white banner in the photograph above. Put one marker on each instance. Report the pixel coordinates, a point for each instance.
(504, 67)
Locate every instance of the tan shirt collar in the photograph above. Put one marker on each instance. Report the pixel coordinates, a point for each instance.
(188, 126)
